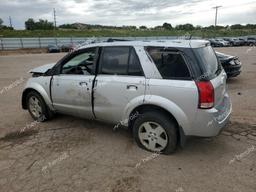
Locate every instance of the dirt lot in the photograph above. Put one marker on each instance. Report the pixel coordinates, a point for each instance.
(71, 154)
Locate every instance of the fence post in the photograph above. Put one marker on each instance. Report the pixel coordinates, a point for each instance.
(56, 42)
(71, 40)
(2, 45)
(39, 41)
(21, 43)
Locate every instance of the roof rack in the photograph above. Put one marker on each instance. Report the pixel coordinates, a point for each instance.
(94, 40)
(113, 40)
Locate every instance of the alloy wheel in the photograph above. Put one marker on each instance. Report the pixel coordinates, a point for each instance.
(35, 107)
(153, 136)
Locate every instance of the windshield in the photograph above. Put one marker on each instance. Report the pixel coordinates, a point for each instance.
(209, 62)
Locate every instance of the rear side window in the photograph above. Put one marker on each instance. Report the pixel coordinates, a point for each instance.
(171, 65)
(134, 67)
(120, 61)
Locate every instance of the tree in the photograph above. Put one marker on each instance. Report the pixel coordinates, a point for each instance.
(4, 27)
(236, 26)
(30, 24)
(198, 27)
(1, 22)
(167, 26)
(143, 27)
(250, 26)
(209, 27)
(187, 26)
(44, 25)
(158, 27)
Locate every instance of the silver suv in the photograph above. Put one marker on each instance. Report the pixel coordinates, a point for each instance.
(163, 91)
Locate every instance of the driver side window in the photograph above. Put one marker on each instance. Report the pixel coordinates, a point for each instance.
(80, 64)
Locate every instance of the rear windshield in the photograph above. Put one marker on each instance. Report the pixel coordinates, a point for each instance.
(209, 62)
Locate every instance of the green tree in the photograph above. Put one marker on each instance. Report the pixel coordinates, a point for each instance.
(236, 26)
(143, 27)
(44, 25)
(4, 26)
(30, 24)
(186, 26)
(250, 26)
(1, 22)
(167, 26)
(198, 27)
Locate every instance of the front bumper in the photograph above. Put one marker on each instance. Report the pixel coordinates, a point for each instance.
(210, 122)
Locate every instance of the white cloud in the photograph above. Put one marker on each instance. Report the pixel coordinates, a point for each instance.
(130, 12)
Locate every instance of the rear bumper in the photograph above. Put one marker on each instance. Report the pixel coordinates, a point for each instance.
(211, 122)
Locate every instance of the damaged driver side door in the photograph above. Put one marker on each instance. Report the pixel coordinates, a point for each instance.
(71, 88)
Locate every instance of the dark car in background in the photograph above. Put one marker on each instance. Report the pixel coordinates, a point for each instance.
(243, 41)
(67, 47)
(53, 48)
(233, 41)
(231, 64)
(251, 41)
(215, 43)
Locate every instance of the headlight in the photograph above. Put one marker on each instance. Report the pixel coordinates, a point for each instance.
(232, 62)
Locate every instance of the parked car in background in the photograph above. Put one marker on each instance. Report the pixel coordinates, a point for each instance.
(163, 91)
(251, 41)
(231, 64)
(67, 47)
(223, 42)
(233, 41)
(242, 41)
(215, 43)
(53, 48)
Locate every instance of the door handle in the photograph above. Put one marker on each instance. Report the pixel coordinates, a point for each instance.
(132, 87)
(82, 83)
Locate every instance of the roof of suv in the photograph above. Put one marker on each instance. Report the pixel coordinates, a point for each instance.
(160, 43)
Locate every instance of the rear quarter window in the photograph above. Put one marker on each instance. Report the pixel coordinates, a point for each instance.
(170, 64)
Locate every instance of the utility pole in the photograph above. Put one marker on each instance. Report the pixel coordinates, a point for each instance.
(10, 20)
(216, 14)
(54, 17)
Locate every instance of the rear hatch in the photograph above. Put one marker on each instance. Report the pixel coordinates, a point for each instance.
(211, 70)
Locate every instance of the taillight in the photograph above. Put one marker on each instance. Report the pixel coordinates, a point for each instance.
(206, 94)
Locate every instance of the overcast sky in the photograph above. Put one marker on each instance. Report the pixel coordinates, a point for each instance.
(129, 12)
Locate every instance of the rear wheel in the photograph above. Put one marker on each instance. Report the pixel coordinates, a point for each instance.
(37, 107)
(155, 132)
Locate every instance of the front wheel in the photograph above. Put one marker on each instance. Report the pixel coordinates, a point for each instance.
(37, 107)
(155, 132)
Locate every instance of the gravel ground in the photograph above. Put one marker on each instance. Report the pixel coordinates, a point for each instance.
(71, 154)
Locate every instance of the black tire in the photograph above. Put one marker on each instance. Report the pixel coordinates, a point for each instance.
(165, 122)
(46, 113)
